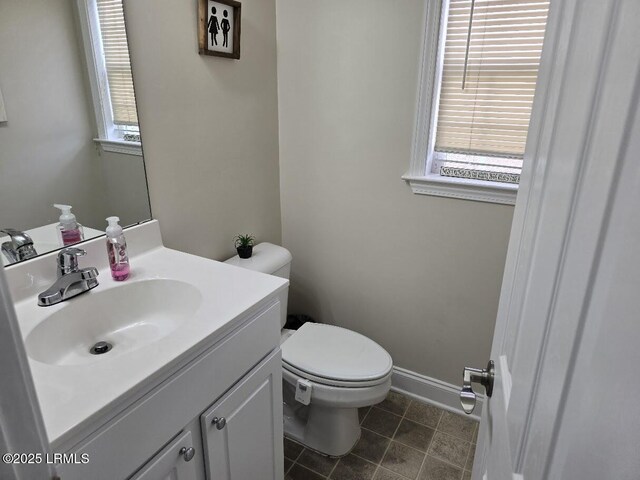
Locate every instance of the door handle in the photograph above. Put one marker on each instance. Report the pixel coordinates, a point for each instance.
(475, 375)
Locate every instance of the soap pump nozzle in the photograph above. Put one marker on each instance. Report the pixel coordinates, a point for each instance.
(66, 217)
(113, 229)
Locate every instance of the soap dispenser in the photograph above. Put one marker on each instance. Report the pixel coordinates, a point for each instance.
(117, 250)
(69, 230)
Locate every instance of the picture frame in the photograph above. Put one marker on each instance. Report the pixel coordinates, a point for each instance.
(219, 23)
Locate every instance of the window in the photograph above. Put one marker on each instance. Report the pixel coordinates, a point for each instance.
(107, 52)
(484, 76)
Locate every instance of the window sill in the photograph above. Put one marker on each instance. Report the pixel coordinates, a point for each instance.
(120, 146)
(463, 189)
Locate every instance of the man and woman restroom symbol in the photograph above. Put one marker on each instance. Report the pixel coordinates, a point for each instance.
(215, 27)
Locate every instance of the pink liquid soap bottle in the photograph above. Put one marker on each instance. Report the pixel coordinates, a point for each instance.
(117, 251)
(69, 230)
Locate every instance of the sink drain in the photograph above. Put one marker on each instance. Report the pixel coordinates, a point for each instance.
(100, 348)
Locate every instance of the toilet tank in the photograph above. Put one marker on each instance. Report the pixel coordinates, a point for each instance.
(273, 260)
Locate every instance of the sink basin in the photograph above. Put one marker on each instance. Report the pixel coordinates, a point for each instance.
(126, 317)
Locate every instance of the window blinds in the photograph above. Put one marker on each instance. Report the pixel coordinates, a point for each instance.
(117, 64)
(499, 42)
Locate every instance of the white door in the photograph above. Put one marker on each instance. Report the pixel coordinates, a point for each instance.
(242, 432)
(567, 339)
(174, 462)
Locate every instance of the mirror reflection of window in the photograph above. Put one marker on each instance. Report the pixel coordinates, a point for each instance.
(72, 135)
(105, 39)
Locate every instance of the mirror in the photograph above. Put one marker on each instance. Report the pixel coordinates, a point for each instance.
(68, 125)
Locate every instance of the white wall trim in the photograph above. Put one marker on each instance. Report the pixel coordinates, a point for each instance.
(428, 73)
(97, 74)
(120, 146)
(430, 390)
(464, 189)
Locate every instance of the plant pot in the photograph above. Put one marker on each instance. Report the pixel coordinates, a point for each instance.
(245, 252)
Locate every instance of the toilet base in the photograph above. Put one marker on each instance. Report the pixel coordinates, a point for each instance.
(328, 430)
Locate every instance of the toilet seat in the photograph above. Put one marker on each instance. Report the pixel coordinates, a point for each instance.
(335, 356)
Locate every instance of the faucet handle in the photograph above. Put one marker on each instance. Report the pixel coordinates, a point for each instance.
(68, 260)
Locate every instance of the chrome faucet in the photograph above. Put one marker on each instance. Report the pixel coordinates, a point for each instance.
(71, 280)
(20, 247)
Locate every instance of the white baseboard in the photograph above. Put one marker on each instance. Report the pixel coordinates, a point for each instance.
(429, 390)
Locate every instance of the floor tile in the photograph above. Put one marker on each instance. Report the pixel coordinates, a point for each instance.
(475, 434)
(466, 475)
(287, 464)
(451, 449)
(435, 469)
(470, 458)
(414, 435)
(316, 462)
(371, 446)
(457, 425)
(362, 412)
(292, 449)
(298, 472)
(423, 413)
(384, 474)
(353, 468)
(381, 421)
(395, 403)
(403, 460)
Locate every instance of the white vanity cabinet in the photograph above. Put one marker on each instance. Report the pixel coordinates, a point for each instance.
(174, 462)
(238, 379)
(242, 432)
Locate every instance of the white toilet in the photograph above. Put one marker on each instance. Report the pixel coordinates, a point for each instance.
(344, 370)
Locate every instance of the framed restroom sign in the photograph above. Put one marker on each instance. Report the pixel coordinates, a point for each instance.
(219, 28)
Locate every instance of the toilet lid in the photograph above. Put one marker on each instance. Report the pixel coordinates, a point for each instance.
(334, 353)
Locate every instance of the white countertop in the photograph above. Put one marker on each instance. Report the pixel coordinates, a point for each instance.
(72, 395)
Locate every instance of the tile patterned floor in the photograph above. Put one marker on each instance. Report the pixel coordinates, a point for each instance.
(401, 439)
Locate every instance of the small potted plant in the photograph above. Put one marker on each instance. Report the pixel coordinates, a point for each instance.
(244, 245)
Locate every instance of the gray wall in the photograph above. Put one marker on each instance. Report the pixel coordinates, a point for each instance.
(126, 187)
(419, 274)
(209, 126)
(46, 150)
